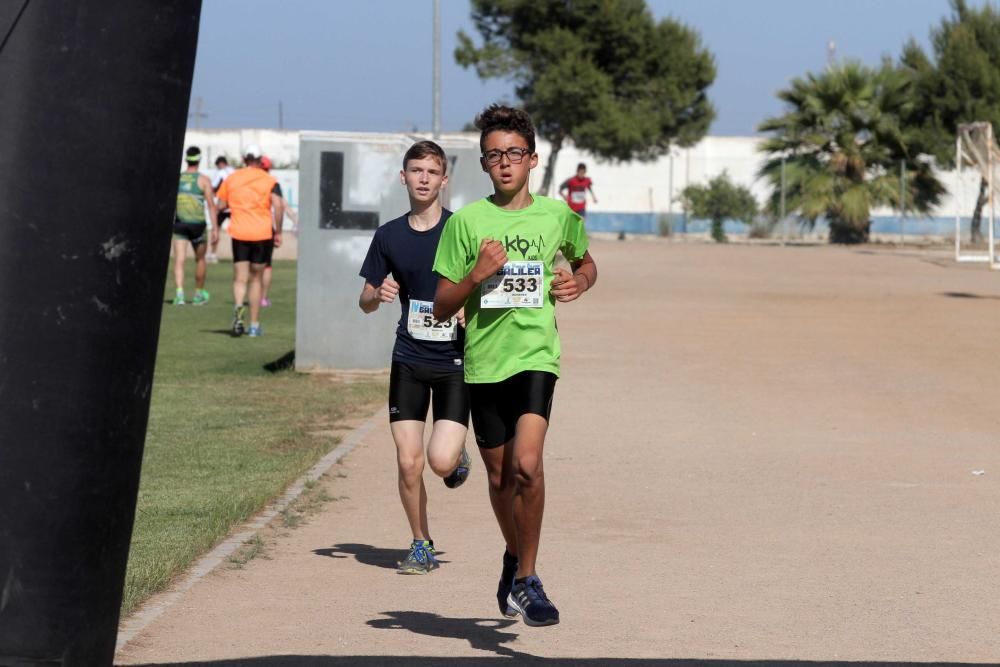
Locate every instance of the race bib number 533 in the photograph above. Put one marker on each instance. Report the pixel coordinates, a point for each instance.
(516, 285)
(422, 325)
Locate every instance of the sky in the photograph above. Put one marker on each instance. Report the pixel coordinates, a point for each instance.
(366, 65)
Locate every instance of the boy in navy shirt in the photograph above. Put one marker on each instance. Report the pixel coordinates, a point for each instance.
(428, 357)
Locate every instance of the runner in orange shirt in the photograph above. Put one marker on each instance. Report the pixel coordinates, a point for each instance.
(255, 217)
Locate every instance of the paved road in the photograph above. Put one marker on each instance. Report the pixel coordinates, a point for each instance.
(757, 454)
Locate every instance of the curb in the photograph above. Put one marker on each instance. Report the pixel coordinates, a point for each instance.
(150, 611)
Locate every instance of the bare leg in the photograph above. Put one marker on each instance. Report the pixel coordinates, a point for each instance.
(529, 498)
(499, 474)
(241, 273)
(265, 282)
(256, 270)
(200, 266)
(180, 254)
(409, 437)
(445, 448)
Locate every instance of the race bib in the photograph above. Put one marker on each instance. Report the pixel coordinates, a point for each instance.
(578, 196)
(516, 285)
(422, 325)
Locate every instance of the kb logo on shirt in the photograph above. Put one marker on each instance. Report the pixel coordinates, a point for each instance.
(523, 245)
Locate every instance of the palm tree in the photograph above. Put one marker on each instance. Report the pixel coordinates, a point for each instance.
(842, 140)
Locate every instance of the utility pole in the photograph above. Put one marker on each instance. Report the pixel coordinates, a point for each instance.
(436, 122)
(197, 114)
(902, 197)
(670, 190)
(784, 218)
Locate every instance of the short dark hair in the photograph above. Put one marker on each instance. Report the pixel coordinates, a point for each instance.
(193, 154)
(500, 118)
(581, 166)
(222, 159)
(426, 148)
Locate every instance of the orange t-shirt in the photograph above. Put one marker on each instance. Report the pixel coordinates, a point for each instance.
(248, 193)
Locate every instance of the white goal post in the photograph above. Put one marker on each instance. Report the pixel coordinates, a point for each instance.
(975, 147)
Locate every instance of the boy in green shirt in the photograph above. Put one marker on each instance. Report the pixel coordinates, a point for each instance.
(497, 258)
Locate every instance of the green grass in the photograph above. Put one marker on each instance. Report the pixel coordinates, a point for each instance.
(225, 435)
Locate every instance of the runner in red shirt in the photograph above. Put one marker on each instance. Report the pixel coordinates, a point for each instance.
(574, 190)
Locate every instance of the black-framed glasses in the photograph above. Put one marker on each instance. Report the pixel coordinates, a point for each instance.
(515, 155)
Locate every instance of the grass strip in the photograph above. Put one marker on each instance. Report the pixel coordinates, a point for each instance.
(226, 434)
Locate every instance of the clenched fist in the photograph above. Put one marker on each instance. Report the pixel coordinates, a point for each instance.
(492, 258)
(564, 286)
(388, 290)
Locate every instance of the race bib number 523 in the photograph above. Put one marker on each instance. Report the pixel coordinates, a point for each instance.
(516, 285)
(422, 325)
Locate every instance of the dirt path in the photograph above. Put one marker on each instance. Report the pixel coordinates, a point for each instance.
(757, 454)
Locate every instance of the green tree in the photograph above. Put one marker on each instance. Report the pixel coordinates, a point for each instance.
(602, 73)
(719, 201)
(843, 139)
(961, 84)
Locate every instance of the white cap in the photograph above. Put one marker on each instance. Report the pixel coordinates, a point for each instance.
(253, 150)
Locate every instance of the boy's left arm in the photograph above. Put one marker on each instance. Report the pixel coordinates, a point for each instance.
(568, 286)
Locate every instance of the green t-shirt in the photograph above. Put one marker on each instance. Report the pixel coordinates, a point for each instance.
(190, 199)
(503, 341)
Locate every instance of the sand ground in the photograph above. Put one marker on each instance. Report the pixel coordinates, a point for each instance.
(758, 456)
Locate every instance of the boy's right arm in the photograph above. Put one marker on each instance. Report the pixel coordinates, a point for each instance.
(372, 297)
(450, 296)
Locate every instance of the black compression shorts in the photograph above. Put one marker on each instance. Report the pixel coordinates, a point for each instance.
(412, 389)
(190, 231)
(255, 252)
(497, 406)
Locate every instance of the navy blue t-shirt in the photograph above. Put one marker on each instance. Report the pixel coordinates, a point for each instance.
(409, 255)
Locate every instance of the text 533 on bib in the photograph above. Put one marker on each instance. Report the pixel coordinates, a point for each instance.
(516, 285)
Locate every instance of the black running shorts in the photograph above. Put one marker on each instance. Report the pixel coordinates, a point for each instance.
(497, 406)
(190, 231)
(255, 252)
(412, 389)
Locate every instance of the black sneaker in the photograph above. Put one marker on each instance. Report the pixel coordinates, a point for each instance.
(507, 583)
(528, 598)
(239, 312)
(460, 473)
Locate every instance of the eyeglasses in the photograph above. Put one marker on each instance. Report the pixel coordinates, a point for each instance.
(515, 155)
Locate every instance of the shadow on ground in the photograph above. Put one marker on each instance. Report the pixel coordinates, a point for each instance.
(487, 635)
(968, 295)
(368, 555)
(285, 362)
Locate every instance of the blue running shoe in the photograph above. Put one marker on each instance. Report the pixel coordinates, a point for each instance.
(255, 331)
(420, 560)
(506, 584)
(529, 599)
(461, 471)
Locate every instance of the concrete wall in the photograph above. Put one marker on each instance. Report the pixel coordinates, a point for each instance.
(334, 236)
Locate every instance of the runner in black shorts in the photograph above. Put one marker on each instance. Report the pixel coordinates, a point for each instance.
(497, 260)
(194, 196)
(427, 360)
